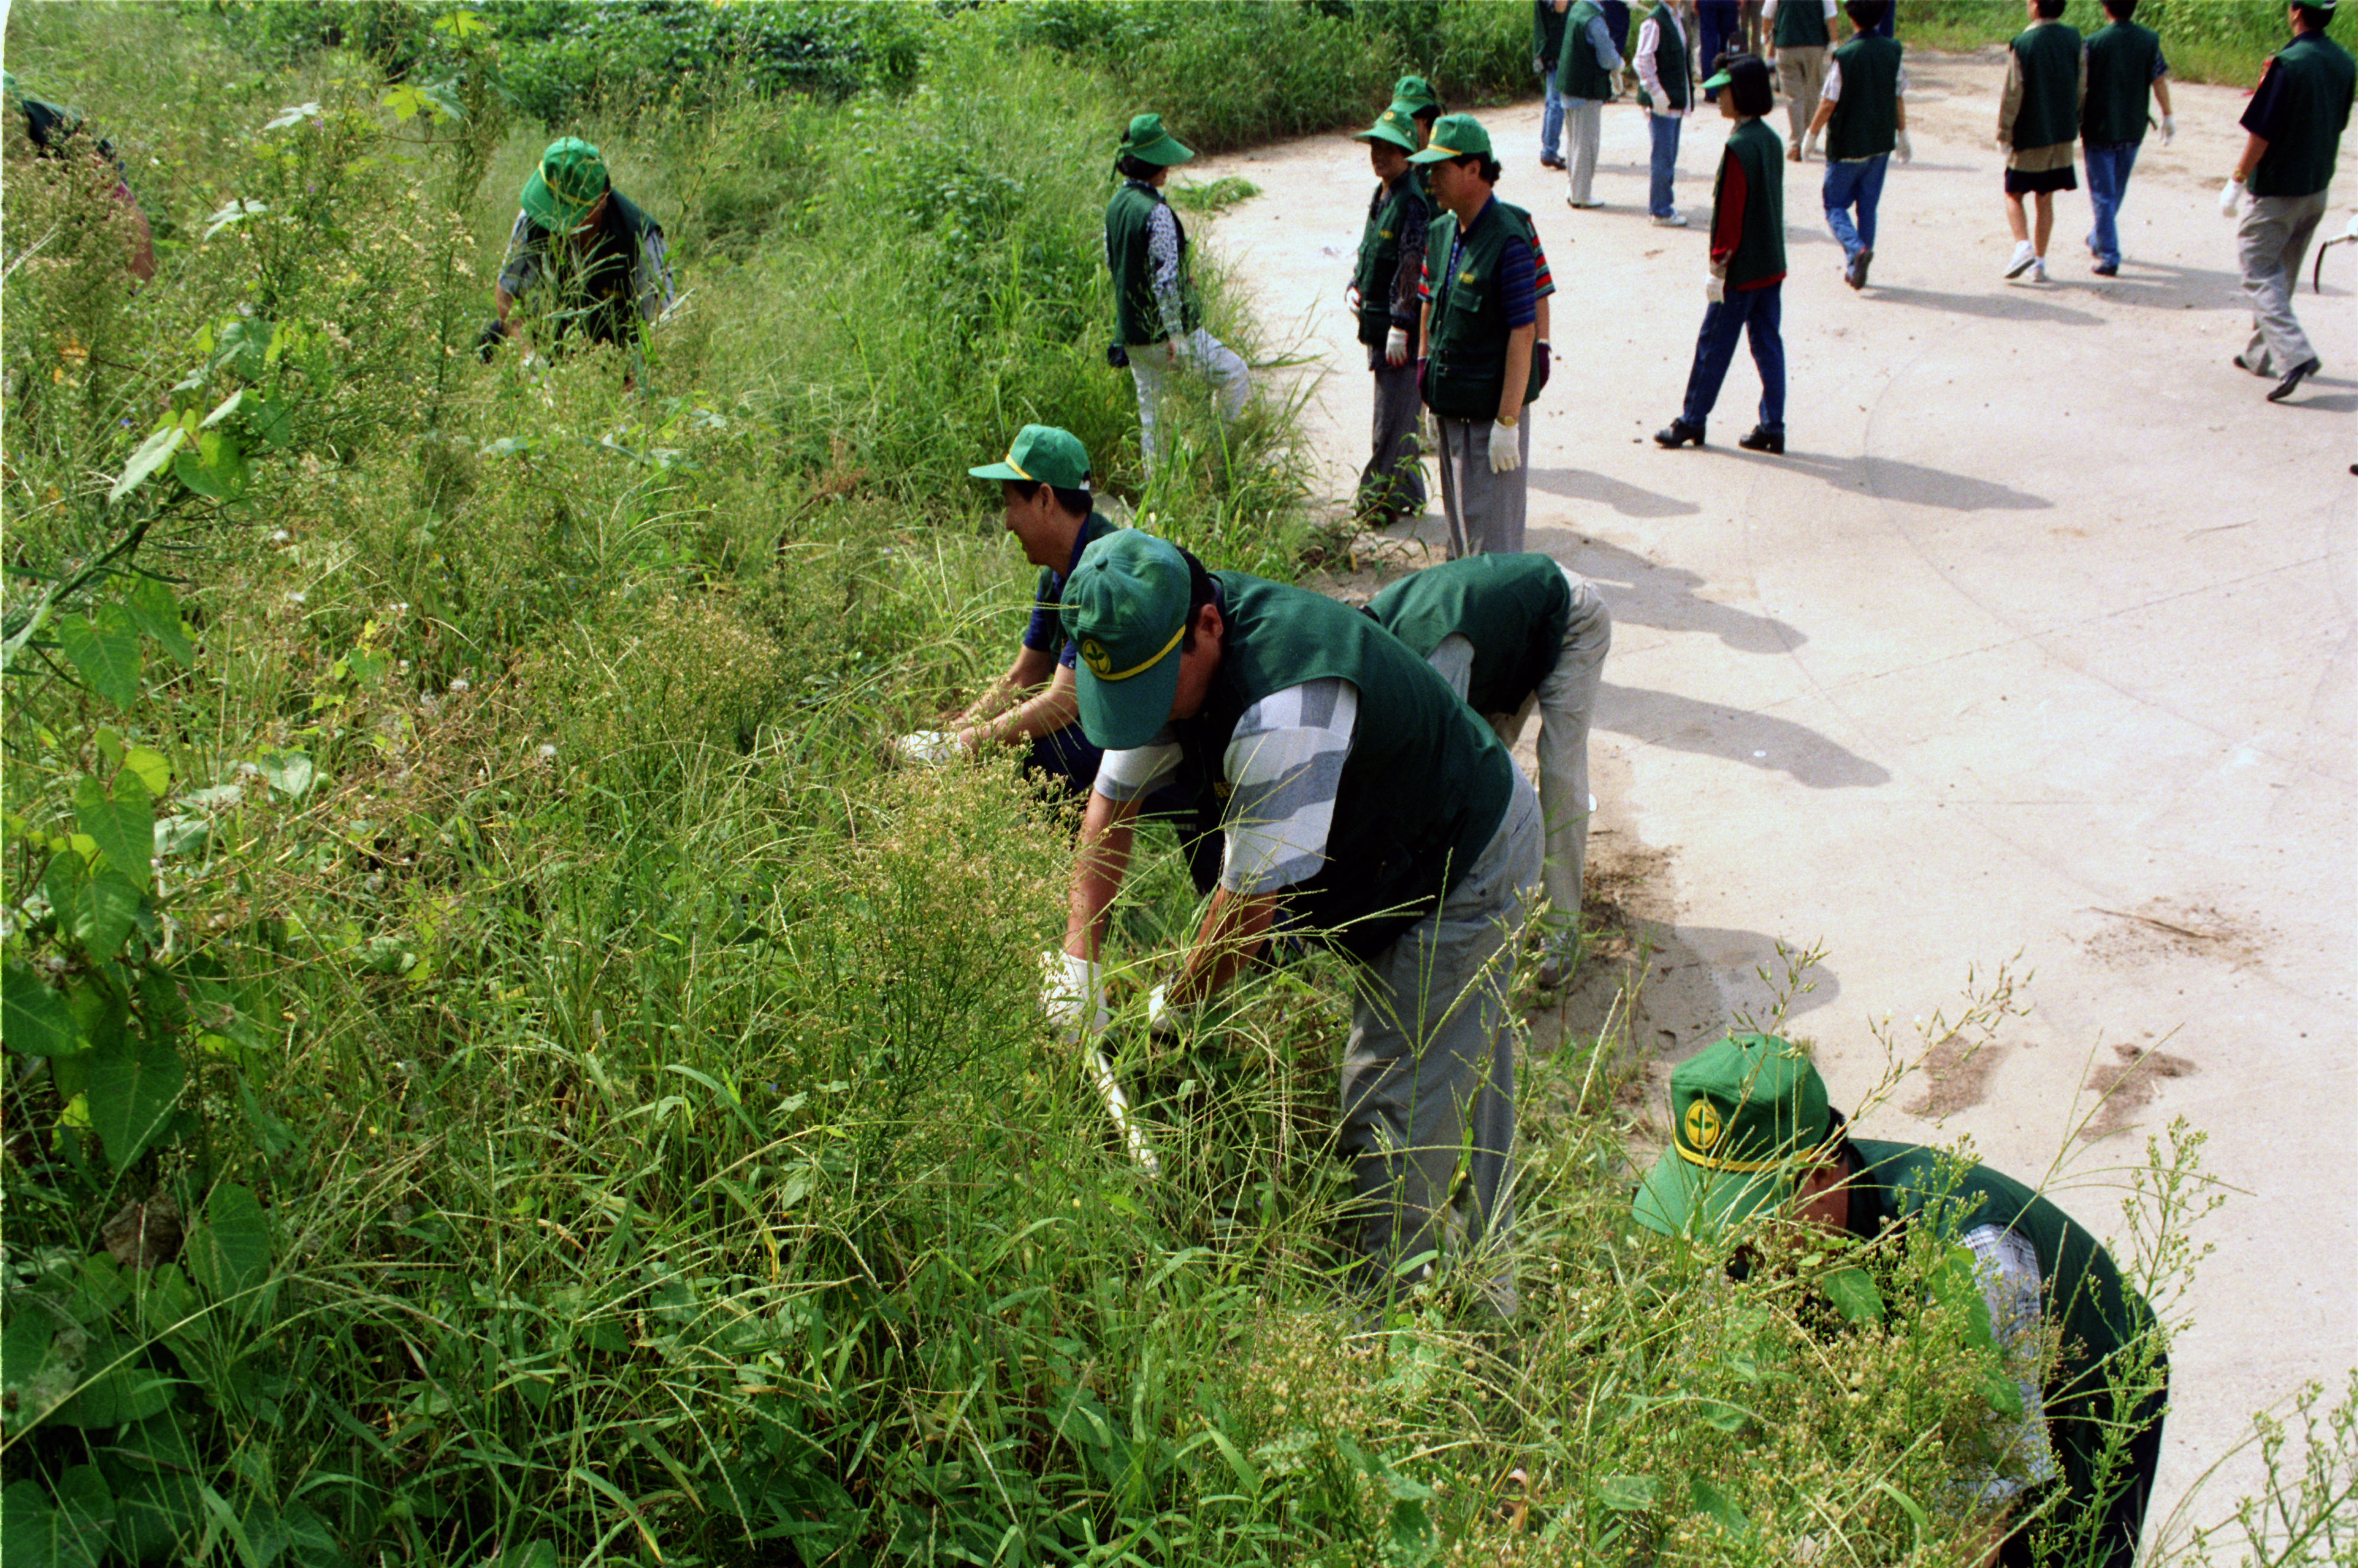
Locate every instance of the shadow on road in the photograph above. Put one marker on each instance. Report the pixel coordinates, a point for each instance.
(1888, 479)
(1580, 484)
(1642, 592)
(2017, 305)
(1755, 739)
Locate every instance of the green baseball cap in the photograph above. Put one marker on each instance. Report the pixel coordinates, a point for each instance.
(1126, 609)
(1148, 142)
(1748, 1116)
(1735, 65)
(1412, 93)
(1043, 455)
(1392, 126)
(570, 179)
(1453, 135)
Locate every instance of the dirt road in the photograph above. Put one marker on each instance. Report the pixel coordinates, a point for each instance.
(2035, 648)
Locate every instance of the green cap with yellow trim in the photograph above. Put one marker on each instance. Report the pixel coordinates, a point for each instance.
(1748, 1116)
(1125, 609)
(1454, 136)
(1043, 455)
(1412, 96)
(1392, 126)
(570, 178)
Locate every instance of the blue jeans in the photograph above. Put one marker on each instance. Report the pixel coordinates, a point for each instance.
(1762, 311)
(1854, 182)
(2109, 181)
(1551, 117)
(1715, 26)
(1665, 128)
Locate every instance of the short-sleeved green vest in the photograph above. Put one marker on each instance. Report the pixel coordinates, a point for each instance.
(1579, 73)
(2049, 113)
(1513, 609)
(1380, 259)
(1135, 313)
(2318, 76)
(1422, 791)
(2121, 61)
(1761, 248)
(1466, 367)
(1865, 122)
(1800, 24)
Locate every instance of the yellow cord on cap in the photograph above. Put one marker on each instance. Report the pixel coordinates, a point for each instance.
(1138, 669)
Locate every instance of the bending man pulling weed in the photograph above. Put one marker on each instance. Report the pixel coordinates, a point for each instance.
(601, 258)
(1362, 796)
(1753, 1141)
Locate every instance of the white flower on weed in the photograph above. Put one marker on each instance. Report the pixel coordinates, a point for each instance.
(459, 684)
(299, 598)
(279, 536)
(548, 754)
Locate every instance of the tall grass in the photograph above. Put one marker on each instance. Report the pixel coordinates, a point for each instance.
(2204, 40)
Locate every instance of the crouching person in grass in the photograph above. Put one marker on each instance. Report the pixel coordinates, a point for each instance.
(1363, 798)
(1506, 632)
(601, 259)
(1757, 1153)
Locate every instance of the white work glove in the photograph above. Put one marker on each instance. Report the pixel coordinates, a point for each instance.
(1395, 346)
(2168, 128)
(1907, 154)
(1810, 147)
(1716, 289)
(1164, 1020)
(1072, 993)
(2231, 198)
(1506, 450)
(1351, 295)
(929, 746)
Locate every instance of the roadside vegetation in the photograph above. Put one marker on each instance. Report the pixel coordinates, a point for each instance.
(500, 1070)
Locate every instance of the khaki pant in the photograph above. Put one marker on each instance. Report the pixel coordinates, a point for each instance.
(1801, 76)
(2270, 243)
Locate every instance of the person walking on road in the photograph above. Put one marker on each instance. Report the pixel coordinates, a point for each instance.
(2293, 129)
(1799, 34)
(2038, 121)
(1504, 632)
(1760, 1160)
(1159, 319)
(1485, 336)
(1863, 113)
(2124, 69)
(1745, 294)
(1547, 47)
(1385, 290)
(1368, 803)
(1666, 88)
(1584, 77)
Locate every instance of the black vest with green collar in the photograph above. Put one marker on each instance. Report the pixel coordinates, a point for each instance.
(1761, 248)
(2316, 79)
(1135, 314)
(1466, 366)
(1579, 73)
(2122, 59)
(1865, 122)
(1513, 609)
(1670, 62)
(1800, 24)
(1422, 791)
(1380, 246)
(2048, 55)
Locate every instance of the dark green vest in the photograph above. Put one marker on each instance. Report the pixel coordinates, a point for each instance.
(1426, 782)
(1466, 367)
(1547, 33)
(1760, 250)
(2100, 1315)
(1669, 63)
(1379, 258)
(1866, 121)
(2049, 113)
(2317, 79)
(1133, 286)
(1578, 72)
(1513, 609)
(2121, 61)
(1801, 24)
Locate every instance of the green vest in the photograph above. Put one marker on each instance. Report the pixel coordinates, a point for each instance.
(1466, 366)
(1513, 609)
(1379, 258)
(2101, 1316)
(1134, 287)
(1760, 249)
(1422, 791)
(1547, 32)
(1578, 72)
(2049, 113)
(2121, 61)
(1865, 122)
(1670, 62)
(1802, 25)
(2317, 84)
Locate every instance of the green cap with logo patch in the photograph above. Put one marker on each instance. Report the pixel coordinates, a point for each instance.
(570, 179)
(1126, 609)
(1043, 455)
(1748, 1116)
(1392, 126)
(1454, 136)
(1413, 95)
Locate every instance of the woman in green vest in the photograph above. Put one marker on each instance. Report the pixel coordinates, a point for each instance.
(2038, 123)
(1754, 1141)
(1384, 296)
(1158, 322)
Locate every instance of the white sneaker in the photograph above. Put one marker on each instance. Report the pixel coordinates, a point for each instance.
(2025, 258)
(1671, 220)
(2039, 270)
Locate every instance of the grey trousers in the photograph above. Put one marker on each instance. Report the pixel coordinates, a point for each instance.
(1584, 127)
(1484, 509)
(1151, 368)
(1800, 77)
(2270, 244)
(1429, 1074)
(1393, 481)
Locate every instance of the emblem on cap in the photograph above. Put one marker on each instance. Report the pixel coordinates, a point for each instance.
(1093, 654)
(1702, 1124)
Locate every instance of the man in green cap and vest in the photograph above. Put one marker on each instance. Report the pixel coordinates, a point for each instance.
(1506, 631)
(1156, 314)
(1485, 335)
(1755, 1144)
(1745, 294)
(2038, 123)
(600, 256)
(2293, 129)
(1863, 112)
(2125, 70)
(1384, 294)
(1368, 803)
(1584, 79)
(1799, 34)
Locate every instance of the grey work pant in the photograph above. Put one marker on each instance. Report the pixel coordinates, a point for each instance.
(1484, 509)
(1429, 1074)
(1584, 127)
(1152, 367)
(2270, 244)
(1800, 77)
(1393, 481)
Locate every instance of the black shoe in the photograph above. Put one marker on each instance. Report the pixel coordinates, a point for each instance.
(1762, 439)
(2106, 269)
(2293, 378)
(1865, 260)
(1679, 433)
(1547, 162)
